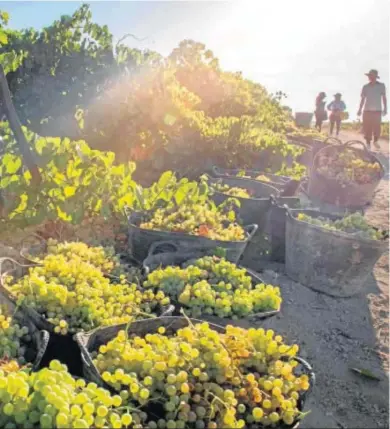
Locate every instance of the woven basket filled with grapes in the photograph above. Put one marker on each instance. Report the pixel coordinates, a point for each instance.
(205, 229)
(208, 287)
(21, 343)
(309, 201)
(184, 370)
(332, 254)
(344, 175)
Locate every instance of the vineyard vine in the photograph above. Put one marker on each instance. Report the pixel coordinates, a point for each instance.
(109, 106)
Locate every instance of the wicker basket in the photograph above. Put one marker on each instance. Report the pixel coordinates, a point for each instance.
(329, 190)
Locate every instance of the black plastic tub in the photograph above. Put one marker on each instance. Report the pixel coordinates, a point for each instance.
(91, 342)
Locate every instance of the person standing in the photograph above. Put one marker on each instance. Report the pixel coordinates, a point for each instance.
(320, 112)
(336, 107)
(373, 93)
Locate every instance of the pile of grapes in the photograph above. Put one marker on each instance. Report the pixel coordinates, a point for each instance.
(71, 292)
(214, 286)
(261, 177)
(347, 167)
(100, 257)
(11, 336)
(52, 398)
(201, 379)
(353, 224)
(232, 191)
(196, 219)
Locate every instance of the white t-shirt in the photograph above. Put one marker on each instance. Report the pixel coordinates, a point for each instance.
(373, 93)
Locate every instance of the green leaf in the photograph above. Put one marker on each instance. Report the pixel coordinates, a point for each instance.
(3, 38)
(231, 216)
(78, 215)
(69, 191)
(366, 373)
(165, 179)
(105, 211)
(12, 163)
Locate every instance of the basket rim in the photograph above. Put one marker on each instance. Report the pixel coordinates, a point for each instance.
(341, 234)
(279, 180)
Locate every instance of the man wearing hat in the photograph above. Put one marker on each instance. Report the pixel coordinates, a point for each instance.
(372, 95)
(336, 107)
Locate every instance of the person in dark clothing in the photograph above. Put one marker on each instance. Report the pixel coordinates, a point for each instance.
(336, 108)
(320, 112)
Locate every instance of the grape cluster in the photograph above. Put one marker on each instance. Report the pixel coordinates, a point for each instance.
(353, 224)
(263, 178)
(196, 219)
(103, 258)
(11, 336)
(52, 398)
(76, 296)
(232, 191)
(348, 167)
(205, 379)
(214, 286)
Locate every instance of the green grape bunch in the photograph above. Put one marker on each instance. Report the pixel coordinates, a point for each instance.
(74, 295)
(205, 379)
(214, 286)
(13, 337)
(52, 398)
(103, 258)
(353, 224)
(232, 191)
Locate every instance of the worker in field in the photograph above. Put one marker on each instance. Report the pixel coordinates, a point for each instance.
(336, 108)
(320, 112)
(373, 93)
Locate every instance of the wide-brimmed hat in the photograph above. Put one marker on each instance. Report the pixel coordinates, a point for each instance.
(372, 72)
(337, 94)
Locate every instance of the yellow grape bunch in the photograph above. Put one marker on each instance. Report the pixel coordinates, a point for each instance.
(197, 219)
(52, 398)
(233, 191)
(348, 167)
(214, 286)
(205, 379)
(74, 295)
(103, 258)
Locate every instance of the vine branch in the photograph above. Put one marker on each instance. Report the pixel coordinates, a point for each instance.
(14, 122)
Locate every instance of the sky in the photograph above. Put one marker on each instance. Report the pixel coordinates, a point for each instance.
(301, 47)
